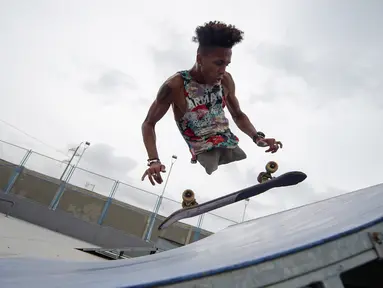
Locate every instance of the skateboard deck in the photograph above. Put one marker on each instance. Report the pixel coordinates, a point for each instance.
(286, 179)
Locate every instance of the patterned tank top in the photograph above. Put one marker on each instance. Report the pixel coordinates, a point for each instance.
(204, 125)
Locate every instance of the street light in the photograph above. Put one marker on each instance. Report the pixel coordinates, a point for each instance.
(87, 144)
(56, 199)
(153, 219)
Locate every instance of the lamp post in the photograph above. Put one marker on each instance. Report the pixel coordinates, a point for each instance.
(56, 199)
(244, 210)
(153, 218)
(87, 144)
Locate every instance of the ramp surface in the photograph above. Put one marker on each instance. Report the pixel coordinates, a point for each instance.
(236, 247)
(19, 238)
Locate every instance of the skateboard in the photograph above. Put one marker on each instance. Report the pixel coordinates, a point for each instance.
(188, 199)
(287, 179)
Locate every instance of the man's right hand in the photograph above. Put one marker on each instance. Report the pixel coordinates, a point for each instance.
(154, 172)
(271, 142)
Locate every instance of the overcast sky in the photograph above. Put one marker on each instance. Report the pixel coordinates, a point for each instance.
(308, 73)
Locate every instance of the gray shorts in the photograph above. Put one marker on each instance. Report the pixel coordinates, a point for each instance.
(210, 160)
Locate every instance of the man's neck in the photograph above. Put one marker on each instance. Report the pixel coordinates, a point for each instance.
(197, 75)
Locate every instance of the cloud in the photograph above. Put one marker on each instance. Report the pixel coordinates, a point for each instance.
(100, 167)
(110, 82)
(344, 73)
(102, 159)
(174, 53)
(107, 84)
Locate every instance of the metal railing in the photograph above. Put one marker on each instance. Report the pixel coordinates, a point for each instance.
(114, 189)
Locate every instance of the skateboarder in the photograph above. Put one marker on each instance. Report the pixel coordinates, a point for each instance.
(198, 97)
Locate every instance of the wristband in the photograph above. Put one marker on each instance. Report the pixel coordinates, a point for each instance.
(153, 160)
(259, 135)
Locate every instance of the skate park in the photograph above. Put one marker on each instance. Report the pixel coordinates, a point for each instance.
(307, 74)
(336, 242)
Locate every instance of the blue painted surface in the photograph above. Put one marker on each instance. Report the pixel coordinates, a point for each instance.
(17, 172)
(244, 244)
(56, 199)
(12, 179)
(104, 211)
(108, 203)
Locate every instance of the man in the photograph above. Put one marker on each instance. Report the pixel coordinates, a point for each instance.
(198, 97)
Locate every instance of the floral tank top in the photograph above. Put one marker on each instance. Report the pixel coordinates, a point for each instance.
(204, 125)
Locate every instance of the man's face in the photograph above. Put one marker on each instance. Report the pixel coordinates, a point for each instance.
(213, 64)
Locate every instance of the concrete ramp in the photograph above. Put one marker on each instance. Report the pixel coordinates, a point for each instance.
(295, 248)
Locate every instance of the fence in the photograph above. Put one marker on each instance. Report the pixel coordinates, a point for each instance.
(62, 173)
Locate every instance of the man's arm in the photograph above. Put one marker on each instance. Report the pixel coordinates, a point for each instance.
(239, 117)
(156, 111)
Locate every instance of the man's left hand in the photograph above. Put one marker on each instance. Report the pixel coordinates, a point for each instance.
(271, 142)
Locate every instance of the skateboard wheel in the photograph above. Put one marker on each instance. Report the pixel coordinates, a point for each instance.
(188, 198)
(271, 167)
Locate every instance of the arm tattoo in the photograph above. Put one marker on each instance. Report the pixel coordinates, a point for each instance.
(164, 94)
